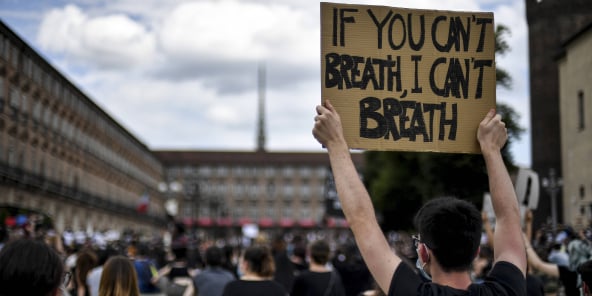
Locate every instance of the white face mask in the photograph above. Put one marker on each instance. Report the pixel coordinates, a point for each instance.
(423, 273)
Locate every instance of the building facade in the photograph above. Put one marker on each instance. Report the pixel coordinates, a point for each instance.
(575, 96)
(550, 23)
(62, 155)
(270, 189)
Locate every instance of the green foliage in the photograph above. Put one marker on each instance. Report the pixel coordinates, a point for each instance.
(400, 182)
(502, 77)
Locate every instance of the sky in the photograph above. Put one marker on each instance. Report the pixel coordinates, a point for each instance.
(182, 74)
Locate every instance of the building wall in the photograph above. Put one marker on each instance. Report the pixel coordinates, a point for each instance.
(260, 187)
(550, 22)
(575, 77)
(61, 153)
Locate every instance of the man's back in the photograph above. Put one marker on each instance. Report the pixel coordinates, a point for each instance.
(499, 282)
(211, 281)
(310, 283)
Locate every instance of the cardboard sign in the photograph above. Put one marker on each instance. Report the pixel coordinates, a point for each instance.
(408, 79)
(527, 188)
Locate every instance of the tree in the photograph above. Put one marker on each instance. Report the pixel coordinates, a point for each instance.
(414, 177)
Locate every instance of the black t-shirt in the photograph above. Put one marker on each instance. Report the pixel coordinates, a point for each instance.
(504, 279)
(310, 283)
(247, 288)
(534, 286)
(569, 280)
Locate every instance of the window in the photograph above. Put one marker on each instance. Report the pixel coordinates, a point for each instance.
(288, 191)
(14, 57)
(288, 172)
(287, 211)
(581, 113)
(582, 192)
(14, 103)
(2, 92)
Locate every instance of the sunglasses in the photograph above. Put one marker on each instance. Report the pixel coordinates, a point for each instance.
(417, 241)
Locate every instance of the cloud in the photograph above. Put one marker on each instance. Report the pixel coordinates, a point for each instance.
(105, 42)
(183, 74)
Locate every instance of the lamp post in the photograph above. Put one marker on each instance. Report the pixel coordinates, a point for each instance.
(553, 184)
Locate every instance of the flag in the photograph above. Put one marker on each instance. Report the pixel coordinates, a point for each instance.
(143, 203)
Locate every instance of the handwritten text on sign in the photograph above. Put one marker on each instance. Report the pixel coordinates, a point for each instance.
(408, 79)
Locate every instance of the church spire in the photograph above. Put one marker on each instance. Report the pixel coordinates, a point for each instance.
(261, 109)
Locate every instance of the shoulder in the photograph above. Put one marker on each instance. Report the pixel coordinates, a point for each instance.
(506, 279)
(405, 281)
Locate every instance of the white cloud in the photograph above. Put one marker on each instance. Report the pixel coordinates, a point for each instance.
(183, 73)
(106, 42)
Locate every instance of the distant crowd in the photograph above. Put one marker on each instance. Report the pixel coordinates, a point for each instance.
(289, 262)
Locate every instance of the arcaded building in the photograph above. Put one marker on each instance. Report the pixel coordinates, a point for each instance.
(269, 189)
(575, 96)
(62, 155)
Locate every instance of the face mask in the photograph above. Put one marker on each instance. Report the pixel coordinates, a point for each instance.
(423, 273)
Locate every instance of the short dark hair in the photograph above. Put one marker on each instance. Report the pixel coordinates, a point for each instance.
(585, 271)
(29, 267)
(319, 252)
(214, 256)
(259, 260)
(451, 228)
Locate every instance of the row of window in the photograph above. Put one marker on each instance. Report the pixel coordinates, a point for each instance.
(248, 189)
(256, 213)
(208, 171)
(63, 127)
(38, 162)
(39, 72)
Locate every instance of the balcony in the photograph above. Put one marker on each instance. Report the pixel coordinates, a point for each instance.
(14, 176)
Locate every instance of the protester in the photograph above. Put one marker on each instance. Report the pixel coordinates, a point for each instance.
(449, 228)
(212, 280)
(175, 279)
(146, 270)
(119, 278)
(86, 260)
(257, 269)
(93, 279)
(585, 272)
(30, 267)
(298, 258)
(319, 280)
(284, 268)
(350, 266)
(567, 277)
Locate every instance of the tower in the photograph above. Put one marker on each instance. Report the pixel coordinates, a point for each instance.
(550, 23)
(261, 109)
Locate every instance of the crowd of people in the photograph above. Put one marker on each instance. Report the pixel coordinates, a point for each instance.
(273, 264)
(456, 251)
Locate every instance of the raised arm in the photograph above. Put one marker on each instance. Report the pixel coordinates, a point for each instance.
(355, 201)
(537, 263)
(508, 242)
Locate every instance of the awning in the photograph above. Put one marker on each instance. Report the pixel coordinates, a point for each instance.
(286, 222)
(333, 222)
(224, 221)
(266, 222)
(244, 220)
(205, 221)
(306, 223)
(188, 221)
